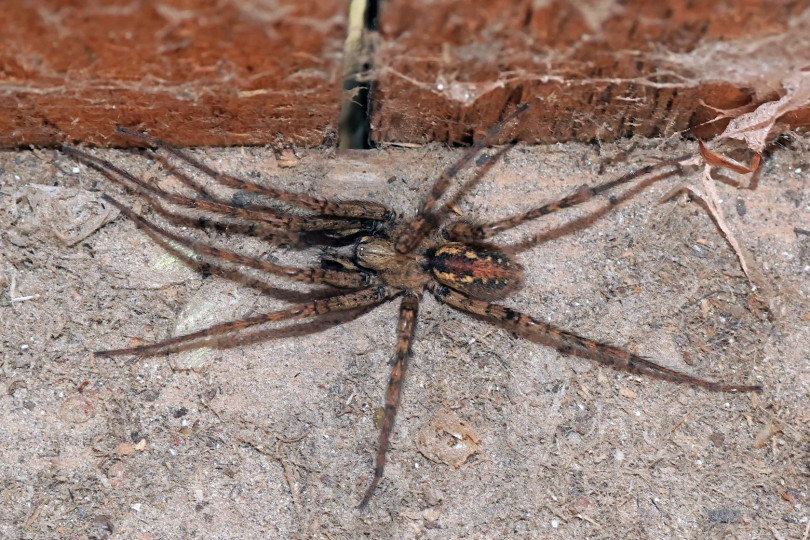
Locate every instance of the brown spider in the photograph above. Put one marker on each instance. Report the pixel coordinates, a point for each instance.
(388, 257)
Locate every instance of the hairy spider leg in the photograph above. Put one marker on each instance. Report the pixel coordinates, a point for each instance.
(120, 176)
(419, 226)
(347, 279)
(588, 219)
(607, 354)
(333, 224)
(347, 209)
(437, 217)
(175, 171)
(245, 226)
(408, 311)
(467, 232)
(269, 218)
(344, 302)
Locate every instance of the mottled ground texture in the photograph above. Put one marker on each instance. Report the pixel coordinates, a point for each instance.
(276, 438)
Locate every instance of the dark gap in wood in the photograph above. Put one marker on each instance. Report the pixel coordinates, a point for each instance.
(355, 114)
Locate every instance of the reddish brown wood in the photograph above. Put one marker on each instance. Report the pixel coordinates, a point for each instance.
(198, 72)
(592, 70)
(194, 72)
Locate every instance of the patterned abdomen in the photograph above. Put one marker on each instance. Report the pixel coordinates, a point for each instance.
(476, 271)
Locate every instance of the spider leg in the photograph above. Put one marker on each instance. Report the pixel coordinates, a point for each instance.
(461, 231)
(418, 227)
(408, 311)
(173, 170)
(334, 225)
(356, 299)
(347, 209)
(438, 216)
(264, 217)
(336, 278)
(150, 192)
(336, 228)
(606, 354)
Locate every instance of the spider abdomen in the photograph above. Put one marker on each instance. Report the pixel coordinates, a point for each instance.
(480, 272)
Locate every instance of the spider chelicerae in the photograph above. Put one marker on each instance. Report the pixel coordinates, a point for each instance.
(372, 255)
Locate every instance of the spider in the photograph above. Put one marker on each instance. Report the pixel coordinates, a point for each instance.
(386, 257)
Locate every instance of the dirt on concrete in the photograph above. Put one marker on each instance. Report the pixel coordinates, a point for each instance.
(275, 436)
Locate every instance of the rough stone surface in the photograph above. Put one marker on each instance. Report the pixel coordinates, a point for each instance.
(276, 438)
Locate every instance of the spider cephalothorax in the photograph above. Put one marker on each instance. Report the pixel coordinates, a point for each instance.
(479, 271)
(390, 257)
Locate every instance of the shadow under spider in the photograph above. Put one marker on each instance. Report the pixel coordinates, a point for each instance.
(385, 257)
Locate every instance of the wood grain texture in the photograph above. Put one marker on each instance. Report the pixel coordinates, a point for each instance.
(595, 70)
(270, 71)
(189, 71)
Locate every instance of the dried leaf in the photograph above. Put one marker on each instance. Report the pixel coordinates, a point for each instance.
(77, 410)
(447, 439)
(716, 160)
